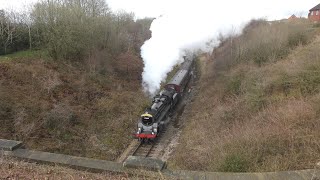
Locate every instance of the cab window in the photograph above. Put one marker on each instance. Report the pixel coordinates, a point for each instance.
(146, 120)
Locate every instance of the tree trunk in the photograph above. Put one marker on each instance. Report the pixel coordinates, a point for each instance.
(30, 40)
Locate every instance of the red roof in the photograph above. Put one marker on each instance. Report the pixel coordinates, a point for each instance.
(293, 16)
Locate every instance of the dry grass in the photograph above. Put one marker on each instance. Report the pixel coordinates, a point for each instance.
(257, 110)
(12, 169)
(69, 108)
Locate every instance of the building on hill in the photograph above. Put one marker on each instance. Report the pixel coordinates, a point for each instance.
(293, 17)
(314, 14)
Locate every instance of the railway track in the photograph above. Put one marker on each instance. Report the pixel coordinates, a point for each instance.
(149, 149)
(143, 150)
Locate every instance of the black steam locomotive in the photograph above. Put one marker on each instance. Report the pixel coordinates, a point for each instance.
(152, 120)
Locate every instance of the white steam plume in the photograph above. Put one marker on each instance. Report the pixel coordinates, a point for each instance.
(190, 24)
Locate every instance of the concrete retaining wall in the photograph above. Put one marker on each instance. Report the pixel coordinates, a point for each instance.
(12, 148)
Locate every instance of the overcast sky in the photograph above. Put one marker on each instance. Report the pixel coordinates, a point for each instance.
(155, 8)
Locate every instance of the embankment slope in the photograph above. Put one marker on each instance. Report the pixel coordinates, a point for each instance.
(258, 105)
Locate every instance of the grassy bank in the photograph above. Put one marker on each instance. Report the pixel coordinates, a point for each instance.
(14, 169)
(25, 54)
(71, 108)
(258, 107)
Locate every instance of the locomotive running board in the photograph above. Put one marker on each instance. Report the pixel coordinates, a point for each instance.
(139, 162)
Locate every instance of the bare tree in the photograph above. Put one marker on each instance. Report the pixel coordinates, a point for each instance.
(6, 30)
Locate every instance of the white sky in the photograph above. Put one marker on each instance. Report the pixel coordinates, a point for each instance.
(16, 4)
(155, 8)
(142, 8)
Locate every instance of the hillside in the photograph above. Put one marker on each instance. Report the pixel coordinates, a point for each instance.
(63, 107)
(257, 108)
(70, 77)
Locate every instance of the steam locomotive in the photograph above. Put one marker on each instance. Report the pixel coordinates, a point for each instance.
(152, 120)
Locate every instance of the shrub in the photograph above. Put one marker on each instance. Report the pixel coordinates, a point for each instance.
(261, 53)
(305, 82)
(5, 109)
(297, 38)
(309, 81)
(234, 163)
(256, 100)
(316, 25)
(59, 118)
(234, 84)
